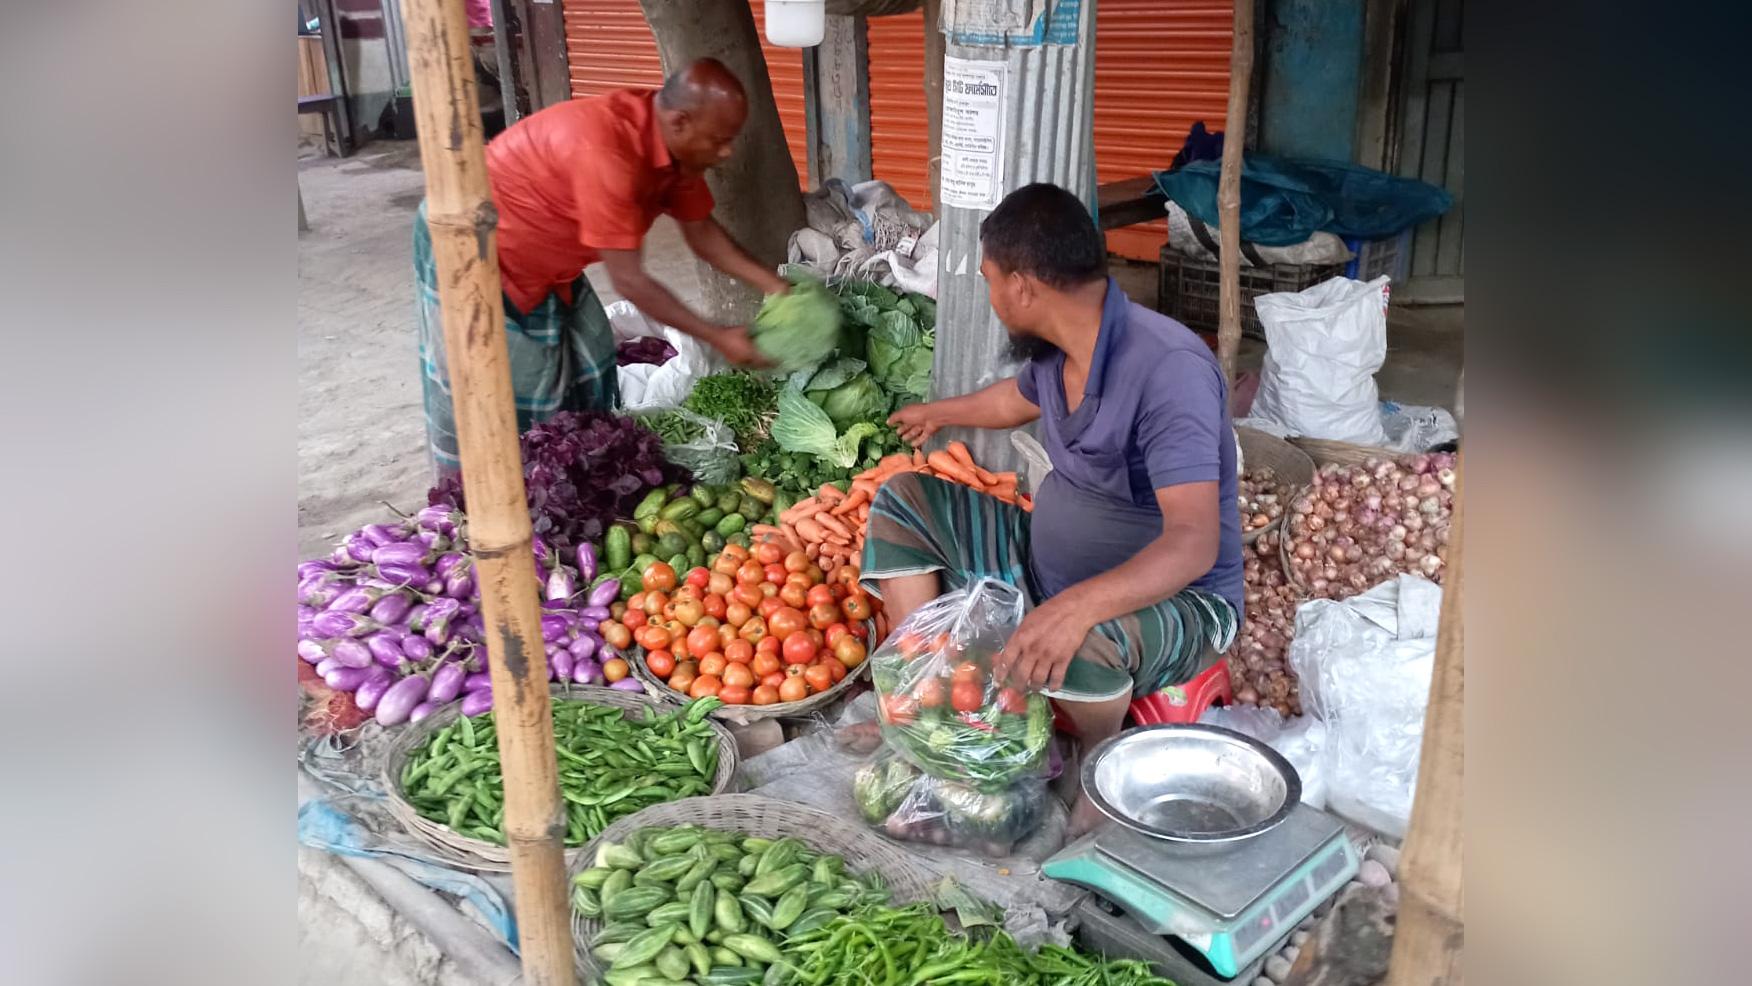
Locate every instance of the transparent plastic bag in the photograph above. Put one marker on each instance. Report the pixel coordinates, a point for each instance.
(701, 445)
(906, 803)
(940, 708)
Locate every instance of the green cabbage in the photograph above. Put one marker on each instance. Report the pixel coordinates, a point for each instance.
(803, 427)
(798, 328)
(900, 355)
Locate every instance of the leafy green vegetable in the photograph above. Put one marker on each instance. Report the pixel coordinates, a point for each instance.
(803, 427)
(798, 328)
(900, 356)
(745, 401)
(699, 444)
(858, 399)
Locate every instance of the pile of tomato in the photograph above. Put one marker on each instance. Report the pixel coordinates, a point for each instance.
(757, 627)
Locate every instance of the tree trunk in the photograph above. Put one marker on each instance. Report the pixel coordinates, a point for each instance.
(1229, 194)
(759, 201)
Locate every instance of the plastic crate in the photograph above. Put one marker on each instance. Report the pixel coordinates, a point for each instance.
(1188, 289)
(1102, 928)
(1390, 256)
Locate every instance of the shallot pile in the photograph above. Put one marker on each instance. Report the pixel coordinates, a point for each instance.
(1360, 525)
(1258, 669)
(1259, 496)
(393, 616)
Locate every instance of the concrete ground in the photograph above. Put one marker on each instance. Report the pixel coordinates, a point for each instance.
(361, 443)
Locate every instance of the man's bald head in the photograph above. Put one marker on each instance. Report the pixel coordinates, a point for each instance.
(701, 109)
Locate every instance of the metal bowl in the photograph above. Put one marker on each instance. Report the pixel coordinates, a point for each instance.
(1194, 785)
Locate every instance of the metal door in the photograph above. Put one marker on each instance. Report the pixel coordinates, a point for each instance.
(1430, 147)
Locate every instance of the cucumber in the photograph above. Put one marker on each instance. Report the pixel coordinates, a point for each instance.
(709, 516)
(617, 550)
(696, 556)
(642, 544)
(679, 510)
(704, 495)
(643, 948)
(651, 504)
(617, 881)
(673, 963)
(679, 561)
(754, 947)
(731, 524)
(724, 958)
(585, 902)
(674, 912)
(712, 542)
(634, 902)
(732, 976)
(621, 931)
(618, 857)
(727, 912)
(673, 543)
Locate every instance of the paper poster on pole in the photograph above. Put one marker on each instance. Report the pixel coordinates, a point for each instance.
(975, 95)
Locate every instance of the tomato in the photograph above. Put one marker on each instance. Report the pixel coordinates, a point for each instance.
(750, 573)
(832, 664)
(683, 678)
(689, 612)
(737, 613)
(840, 592)
(716, 606)
(614, 669)
(726, 565)
(823, 615)
(684, 591)
(654, 602)
(708, 621)
(634, 618)
(768, 590)
(699, 577)
(846, 575)
(820, 679)
(704, 685)
(816, 635)
(636, 601)
(820, 595)
(769, 553)
(773, 680)
(747, 595)
(931, 692)
(793, 594)
(833, 634)
(768, 645)
(727, 636)
(796, 561)
(798, 648)
(769, 606)
(860, 630)
(661, 663)
(652, 637)
(720, 584)
(753, 630)
(765, 664)
(766, 695)
(850, 651)
(775, 573)
(678, 644)
(966, 696)
(909, 644)
(793, 690)
(616, 635)
(617, 610)
(739, 651)
(899, 710)
(1012, 700)
(658, 575)
(968, 671)
(738, 674)
(702, 640)
(786, 620)
(737, 552)
(857, 607)
(735, 694)
(712, 663)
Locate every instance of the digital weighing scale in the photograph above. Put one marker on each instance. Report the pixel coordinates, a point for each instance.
(1232, 904)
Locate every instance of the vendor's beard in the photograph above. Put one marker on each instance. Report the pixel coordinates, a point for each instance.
(1023, 347)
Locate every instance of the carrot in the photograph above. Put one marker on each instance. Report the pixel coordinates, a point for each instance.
(812, 551)
(889, 463)
(918, 457)
(829, 494)
(1003, 489)
(985, 477)
(864, 486)
(802, 508)
(858, 498)
(792, 535)
(765, 530)
(811, 530)
(1004, 477)
(833, 524)
(958, 451)
(950, 468)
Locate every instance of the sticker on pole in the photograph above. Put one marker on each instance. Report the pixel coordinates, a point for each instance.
(974, 95)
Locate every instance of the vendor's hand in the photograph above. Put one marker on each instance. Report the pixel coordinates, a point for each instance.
(1040, 651)
(775, 285)
(916, 423)
(738, 347)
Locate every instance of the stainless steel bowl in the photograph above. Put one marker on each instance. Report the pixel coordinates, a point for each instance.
(1192, 785)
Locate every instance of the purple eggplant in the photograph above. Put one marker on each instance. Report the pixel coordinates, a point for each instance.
(393, 708)
(555, 605)
(308, 568)
(544, 555)
(586, 562)
(438, 518)
(440, 613)
(358, 599)
(416, 647)
(312, 651)
(386, 649)
(585, 671)
(553, 627)
(604, 594)
(401, 553)
(477, 702)
(346, 679)
(628, 685)
(333, 624)
(324, 666)
(417, 617)
(381, 534)
(431, 541)
(351, 653)
(446, 683)
(560, 666)
(477, 681)
(447, 562)
(358, 548)
(341, 558)
(371, 690)
(597, 612)
(584, 646)
(423, 710)
(391, 608)
(561, 585)
(460, 583)
(320, 592)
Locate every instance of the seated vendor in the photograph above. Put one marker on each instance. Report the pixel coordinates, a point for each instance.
(1131, 559)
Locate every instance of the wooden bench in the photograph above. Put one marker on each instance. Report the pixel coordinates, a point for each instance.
(327, 105)
(1128, 202)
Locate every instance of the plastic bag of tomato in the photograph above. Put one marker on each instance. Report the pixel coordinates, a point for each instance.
(757, 628)
(938, 704)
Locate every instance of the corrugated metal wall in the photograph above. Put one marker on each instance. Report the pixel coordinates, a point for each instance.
(609, 46)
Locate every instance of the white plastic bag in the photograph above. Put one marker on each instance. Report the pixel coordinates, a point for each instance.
(644, 387)
(1320, 248)
(1365, 665)
(1324, 346)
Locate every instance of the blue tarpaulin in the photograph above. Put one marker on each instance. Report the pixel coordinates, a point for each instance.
(1285, 201)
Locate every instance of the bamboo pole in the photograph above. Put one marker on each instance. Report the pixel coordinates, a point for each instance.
(1229, 192)
(1431, 930)
(462, 219)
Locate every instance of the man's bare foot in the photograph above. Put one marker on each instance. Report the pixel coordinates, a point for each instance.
(1085, 818)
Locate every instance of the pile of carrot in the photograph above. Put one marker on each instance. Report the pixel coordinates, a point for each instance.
(829, 526)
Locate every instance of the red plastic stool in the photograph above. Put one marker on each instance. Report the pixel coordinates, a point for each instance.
(1176, 703)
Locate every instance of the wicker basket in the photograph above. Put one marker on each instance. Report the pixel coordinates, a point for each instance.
(477, 854)
(751, 814)
(1293, 468)
(1323, 451)
(743, 714)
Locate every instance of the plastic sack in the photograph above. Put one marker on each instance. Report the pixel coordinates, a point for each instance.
(1320, 248)
(708, 449)
(1324, 346)
(644, 386)
(940, 708)
(906, 803)
(1365, 665)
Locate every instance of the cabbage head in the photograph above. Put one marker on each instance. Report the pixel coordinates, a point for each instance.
(803, 427)
(899, 354)
(859, 399)
(798, 328)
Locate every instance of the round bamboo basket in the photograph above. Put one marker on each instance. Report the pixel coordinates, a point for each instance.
(1293, 468)
(485, 856)
(750, 814)
(742, 714)
(1323, 451)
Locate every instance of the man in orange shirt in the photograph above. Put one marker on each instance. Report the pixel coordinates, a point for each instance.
(575, 184)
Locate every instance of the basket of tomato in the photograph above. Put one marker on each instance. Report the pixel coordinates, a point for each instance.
(760, 628)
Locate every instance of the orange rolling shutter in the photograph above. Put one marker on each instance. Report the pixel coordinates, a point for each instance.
(609, 46)
(900, 130)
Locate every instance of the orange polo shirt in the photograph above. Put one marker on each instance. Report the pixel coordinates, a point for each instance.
(578, 178)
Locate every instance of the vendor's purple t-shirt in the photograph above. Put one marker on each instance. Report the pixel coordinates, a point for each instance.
(1155, 413)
